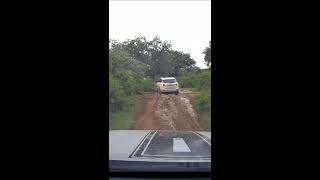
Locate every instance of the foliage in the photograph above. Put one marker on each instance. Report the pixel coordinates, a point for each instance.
(135, 64)
(203, 105)
(203, 101)
(207, 53)
(200, 80)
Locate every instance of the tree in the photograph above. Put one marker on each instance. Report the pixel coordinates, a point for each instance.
(160, 64)
(138, 49)
(181, 62)
(207, 57)
(156, 57)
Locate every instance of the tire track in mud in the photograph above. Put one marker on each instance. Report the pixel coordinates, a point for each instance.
(165, 112)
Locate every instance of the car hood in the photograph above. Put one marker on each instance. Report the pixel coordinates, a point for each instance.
(159, 146)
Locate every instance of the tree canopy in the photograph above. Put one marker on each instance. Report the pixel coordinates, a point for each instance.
(207, 53)
(150, 59)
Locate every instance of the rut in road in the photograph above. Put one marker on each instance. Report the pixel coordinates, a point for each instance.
(156, 111)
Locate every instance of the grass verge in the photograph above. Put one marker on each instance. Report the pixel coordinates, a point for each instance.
(121, 120)
(202, 104)
(205, 120)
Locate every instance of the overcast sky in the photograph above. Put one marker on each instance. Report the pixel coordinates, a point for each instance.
(186, 24)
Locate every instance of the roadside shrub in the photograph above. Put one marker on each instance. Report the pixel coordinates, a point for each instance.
(116, 92)
(200, 80)
(148, 85)
(204, 80)
(203, 101)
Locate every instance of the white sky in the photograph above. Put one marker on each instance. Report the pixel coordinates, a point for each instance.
(186, 24)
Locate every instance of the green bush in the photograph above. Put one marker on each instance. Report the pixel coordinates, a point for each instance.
(203, 101)
(121, 119)
(200, 80)
(187, 81)
(116, 92)
(203, 104)
(148, 85)
(204, 80)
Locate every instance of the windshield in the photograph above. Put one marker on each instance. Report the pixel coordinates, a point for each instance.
(169, 81)
(159, 86)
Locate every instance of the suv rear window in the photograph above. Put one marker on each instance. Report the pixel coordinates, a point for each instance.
(169, 81)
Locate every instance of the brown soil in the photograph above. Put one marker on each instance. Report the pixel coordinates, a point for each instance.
(156, 111)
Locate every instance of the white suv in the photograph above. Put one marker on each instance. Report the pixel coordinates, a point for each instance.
(168, 84)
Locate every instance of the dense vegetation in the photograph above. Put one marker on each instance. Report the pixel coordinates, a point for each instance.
(200, 82)
(135, 64)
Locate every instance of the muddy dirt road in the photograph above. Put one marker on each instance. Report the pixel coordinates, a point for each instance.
(156, 111)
